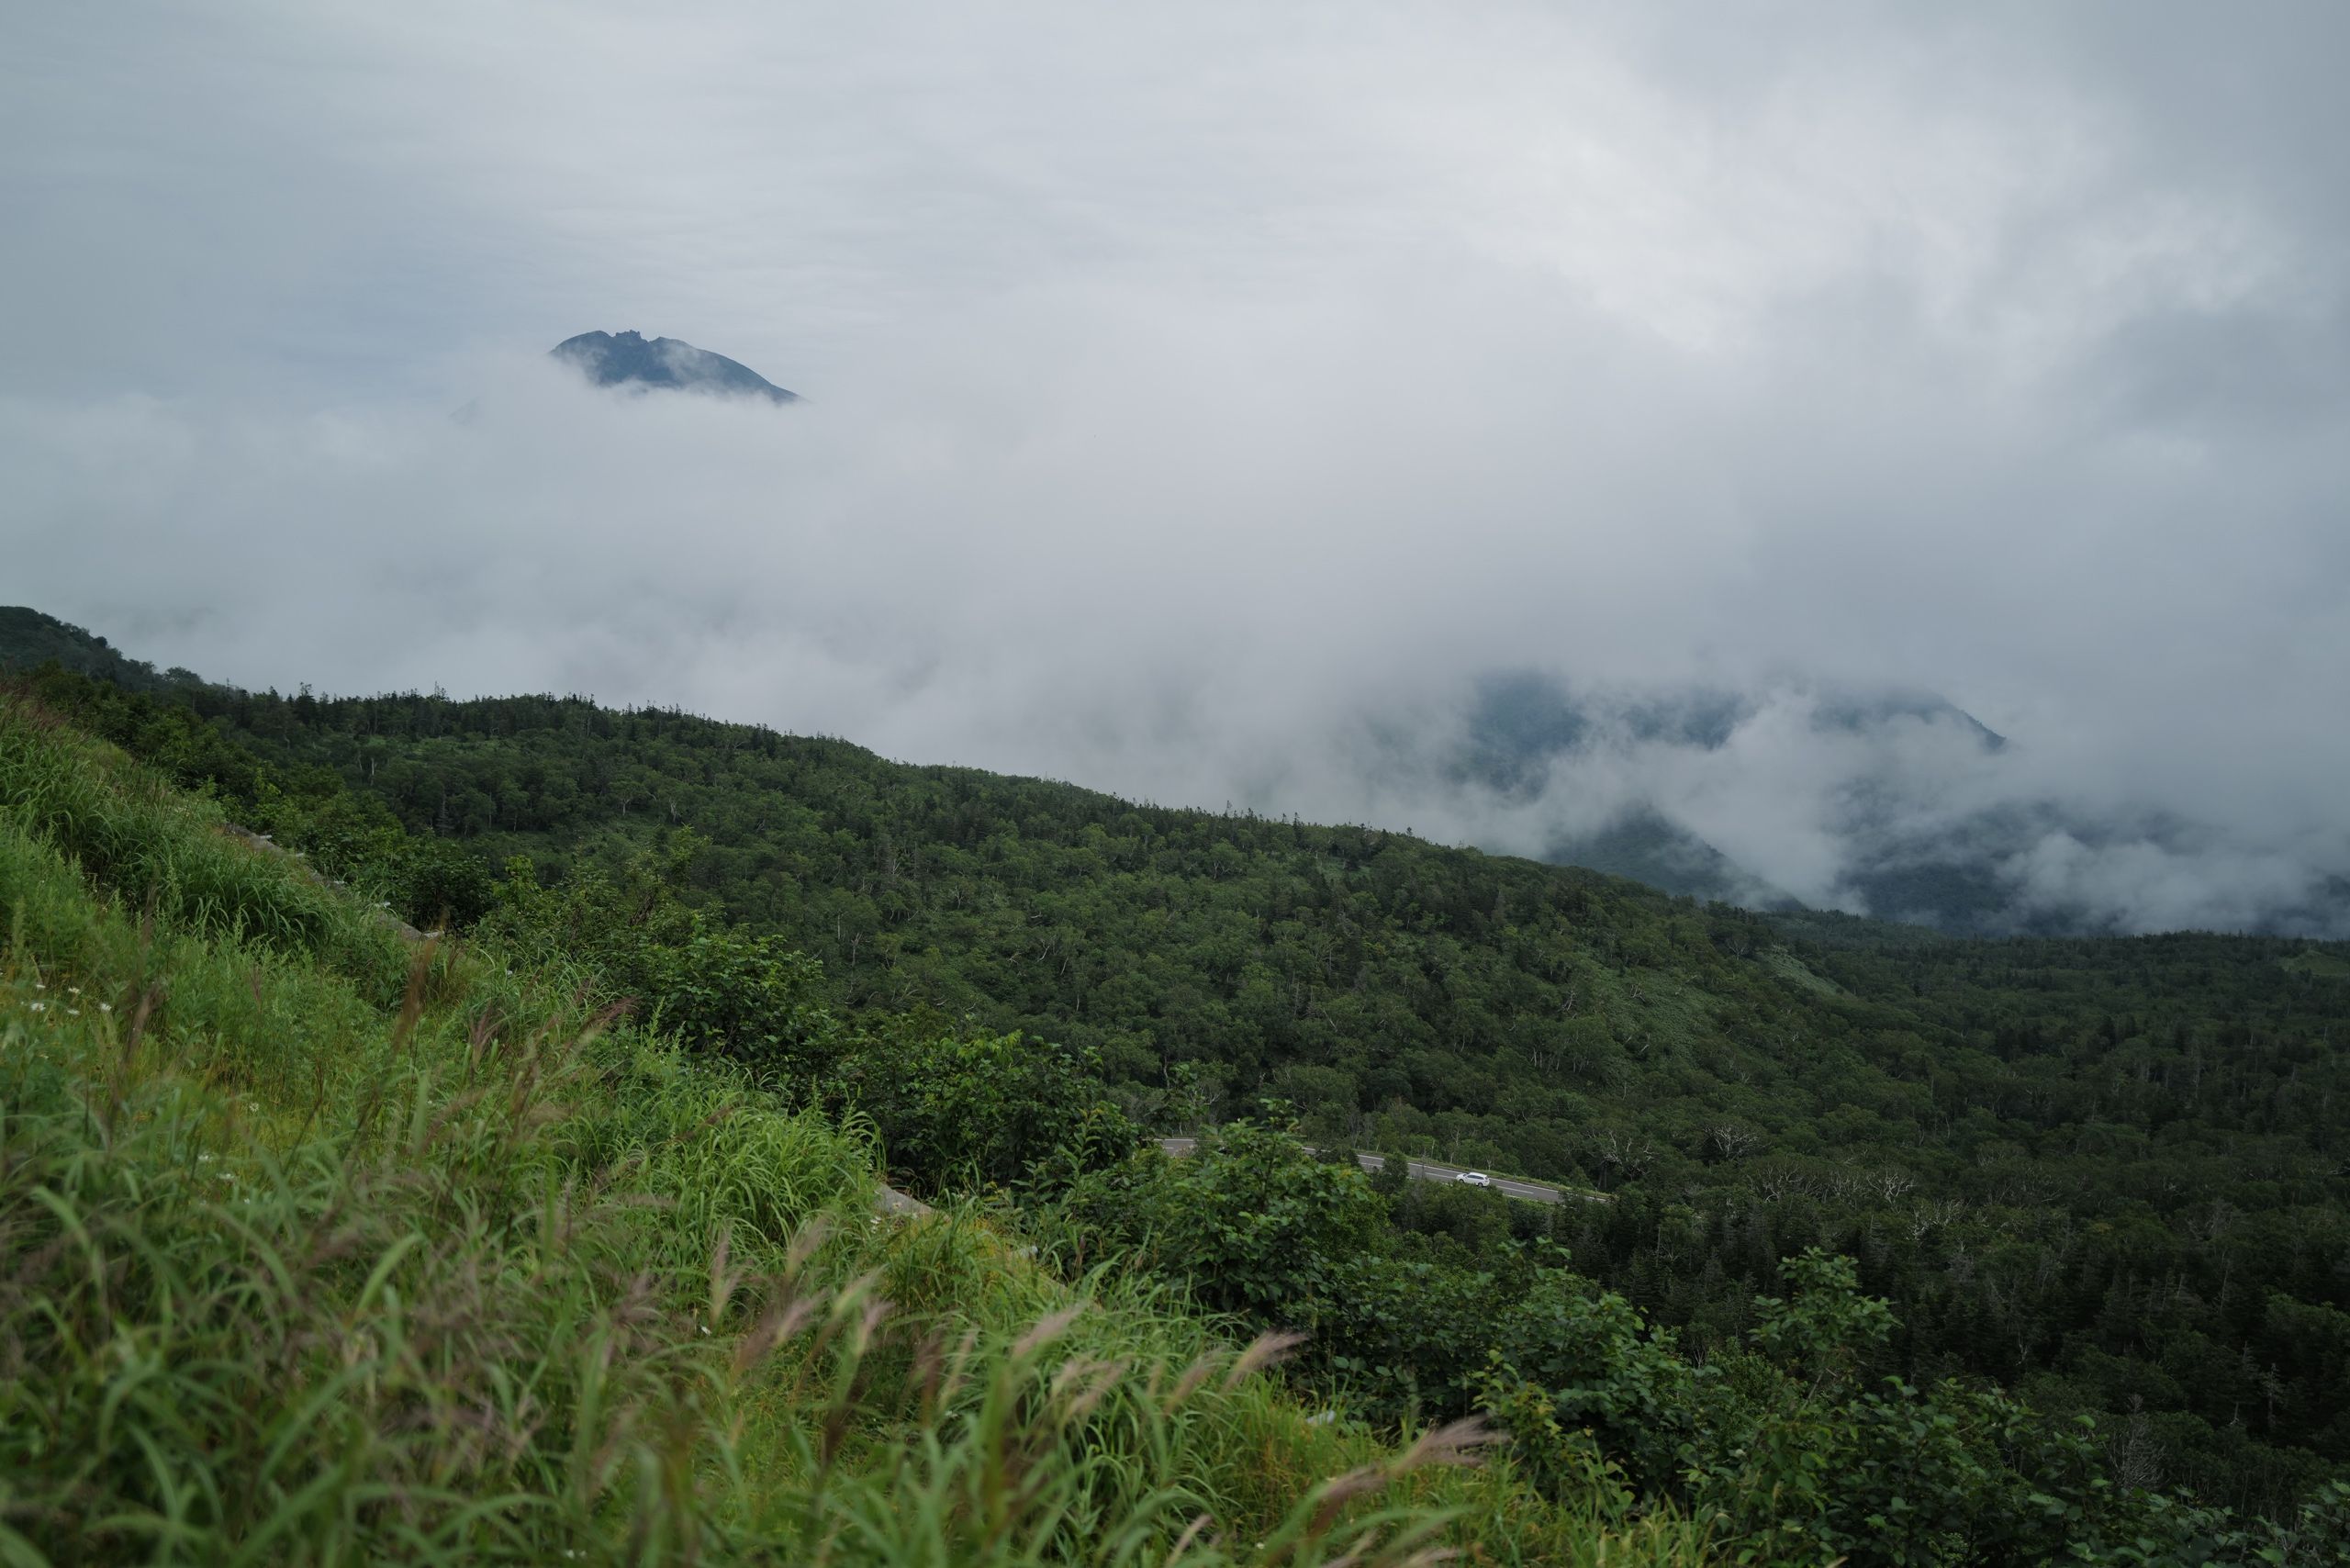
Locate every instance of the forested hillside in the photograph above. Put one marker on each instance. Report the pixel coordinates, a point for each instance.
(324, 1245)
(30, 639)
(2110, 1175)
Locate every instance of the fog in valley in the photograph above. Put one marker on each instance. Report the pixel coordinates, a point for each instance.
(1896, 466)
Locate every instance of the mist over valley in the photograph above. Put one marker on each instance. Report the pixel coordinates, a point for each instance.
(1210, 785)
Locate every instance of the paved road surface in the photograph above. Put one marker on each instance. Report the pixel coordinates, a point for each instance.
(1432, 1171)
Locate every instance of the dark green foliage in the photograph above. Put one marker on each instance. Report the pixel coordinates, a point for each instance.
(963, 1109)
(956, 1106)
(1253, 1221)
(2109, 1175)
(1795, 1448)
(475, 1272)
(346, 835)
(1607, 1375)
(681, 971)
(30, 639)
(1792, 1440)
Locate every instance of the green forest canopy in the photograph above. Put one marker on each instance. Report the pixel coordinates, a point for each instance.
(2108, 1173)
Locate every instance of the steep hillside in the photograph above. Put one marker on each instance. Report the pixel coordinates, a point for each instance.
(323, 1247)
(30, 639)
(2110, 1173)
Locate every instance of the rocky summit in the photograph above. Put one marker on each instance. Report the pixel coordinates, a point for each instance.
(631, 359)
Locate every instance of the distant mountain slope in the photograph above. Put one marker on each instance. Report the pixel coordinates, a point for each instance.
(1526, 733)
(1519, 722)
(30, 639)
(1898, 803)
(631, 359)
(1646, 847)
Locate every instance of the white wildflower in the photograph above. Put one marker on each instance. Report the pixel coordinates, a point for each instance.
(106, 1006)
(41, 1006)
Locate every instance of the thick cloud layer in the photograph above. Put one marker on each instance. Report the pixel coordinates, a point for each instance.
(1204, 403)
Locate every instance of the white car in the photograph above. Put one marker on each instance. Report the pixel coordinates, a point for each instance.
(1475, 1179)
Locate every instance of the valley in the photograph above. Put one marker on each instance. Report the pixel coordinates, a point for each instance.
(2108, 1173)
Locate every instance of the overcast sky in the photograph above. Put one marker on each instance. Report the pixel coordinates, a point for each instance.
(1193, 387)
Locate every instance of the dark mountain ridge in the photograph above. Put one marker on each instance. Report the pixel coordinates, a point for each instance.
(30, 639)
(631, 359)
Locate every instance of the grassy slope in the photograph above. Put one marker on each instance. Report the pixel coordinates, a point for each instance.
(317, 1247)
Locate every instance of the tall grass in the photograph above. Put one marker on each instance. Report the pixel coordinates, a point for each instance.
(314, 1250)
(157, 850)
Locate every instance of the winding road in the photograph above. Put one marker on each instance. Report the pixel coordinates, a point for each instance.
(1432, 1171)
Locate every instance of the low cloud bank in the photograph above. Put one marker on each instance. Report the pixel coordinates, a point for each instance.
(1906, 812)
(1214, 405)
(1176, 566)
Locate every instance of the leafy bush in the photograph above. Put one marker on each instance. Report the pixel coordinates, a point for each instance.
(954, 1106)
(1794, 1445)
(1254, 1224)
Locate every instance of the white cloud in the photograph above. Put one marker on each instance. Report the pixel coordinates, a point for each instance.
(1187, 385)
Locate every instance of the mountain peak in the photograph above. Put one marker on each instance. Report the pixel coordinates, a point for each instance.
(631, 359)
